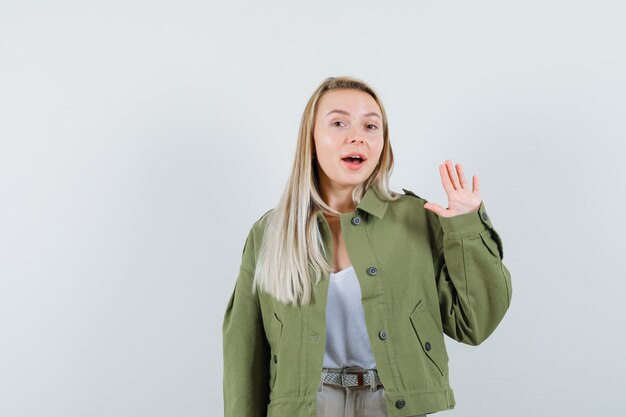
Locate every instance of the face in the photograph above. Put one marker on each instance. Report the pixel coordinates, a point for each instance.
(348, 122)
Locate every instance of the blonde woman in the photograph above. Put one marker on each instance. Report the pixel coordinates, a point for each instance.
(346, 287)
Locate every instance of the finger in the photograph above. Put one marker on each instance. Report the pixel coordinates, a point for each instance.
(445, 179)
(475, 187)
(459, 170)
(452, 174)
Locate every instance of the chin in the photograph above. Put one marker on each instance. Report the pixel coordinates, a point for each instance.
(352, 182)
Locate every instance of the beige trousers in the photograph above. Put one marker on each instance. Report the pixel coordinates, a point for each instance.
(337, 401)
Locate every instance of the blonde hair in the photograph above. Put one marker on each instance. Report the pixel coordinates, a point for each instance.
(292, 241)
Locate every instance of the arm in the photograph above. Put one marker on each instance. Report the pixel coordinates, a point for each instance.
(245, 347)
(473, 285)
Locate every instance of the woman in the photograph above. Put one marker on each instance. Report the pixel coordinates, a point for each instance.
(346, 288)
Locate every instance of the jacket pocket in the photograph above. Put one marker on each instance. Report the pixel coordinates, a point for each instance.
(491, 245)
(276, 336)
(430, 337)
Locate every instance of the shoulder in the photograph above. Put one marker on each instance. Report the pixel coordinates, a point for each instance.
(253, 240)
(258, 226)
(409, 201)
(264, 217)
(407, 209)
(411, 194)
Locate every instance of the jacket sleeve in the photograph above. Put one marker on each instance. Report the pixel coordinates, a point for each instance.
(473, 285)
(245, 347)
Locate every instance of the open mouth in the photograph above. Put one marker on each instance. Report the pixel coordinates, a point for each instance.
(353, 161)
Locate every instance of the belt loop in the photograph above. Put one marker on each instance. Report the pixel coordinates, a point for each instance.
(373, 385)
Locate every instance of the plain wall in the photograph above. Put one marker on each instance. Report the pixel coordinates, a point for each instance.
(140, 140)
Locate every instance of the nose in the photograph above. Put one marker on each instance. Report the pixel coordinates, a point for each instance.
(355, 136)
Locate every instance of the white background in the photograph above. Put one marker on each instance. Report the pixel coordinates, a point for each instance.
(139, 141)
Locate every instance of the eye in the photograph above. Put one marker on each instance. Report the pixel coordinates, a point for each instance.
(336, 122)
(374, 128)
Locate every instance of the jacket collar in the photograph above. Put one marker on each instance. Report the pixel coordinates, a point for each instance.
(371, 203)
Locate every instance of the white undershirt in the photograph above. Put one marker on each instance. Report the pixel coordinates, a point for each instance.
(347, 342)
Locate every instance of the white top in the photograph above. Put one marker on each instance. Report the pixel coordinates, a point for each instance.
(347, 342)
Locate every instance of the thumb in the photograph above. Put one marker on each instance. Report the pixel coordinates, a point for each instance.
(435, 208)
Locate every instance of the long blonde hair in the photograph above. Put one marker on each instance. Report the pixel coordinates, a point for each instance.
(292, 241)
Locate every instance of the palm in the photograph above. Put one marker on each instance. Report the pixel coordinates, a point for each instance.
(460, 199)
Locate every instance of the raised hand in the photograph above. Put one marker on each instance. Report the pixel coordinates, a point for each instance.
(460, 199)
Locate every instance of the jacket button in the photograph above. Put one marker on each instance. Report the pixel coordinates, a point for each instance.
(275, 359)
(400, 403)
(382, 335)
(356, 220)
(427, 345)
(485, 217)
(372, 270)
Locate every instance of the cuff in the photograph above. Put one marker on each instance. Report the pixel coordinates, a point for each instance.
(466, 224)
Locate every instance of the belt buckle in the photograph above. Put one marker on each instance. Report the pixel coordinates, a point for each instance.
(359, 377)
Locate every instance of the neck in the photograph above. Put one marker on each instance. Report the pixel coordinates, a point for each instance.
(338, 198)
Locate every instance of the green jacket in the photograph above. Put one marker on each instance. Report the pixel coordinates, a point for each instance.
(420, 275)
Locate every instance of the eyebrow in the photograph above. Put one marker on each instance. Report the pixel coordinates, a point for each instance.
(348, 114)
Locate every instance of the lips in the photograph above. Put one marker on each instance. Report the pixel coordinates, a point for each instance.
(354, 160)
(354, 157)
